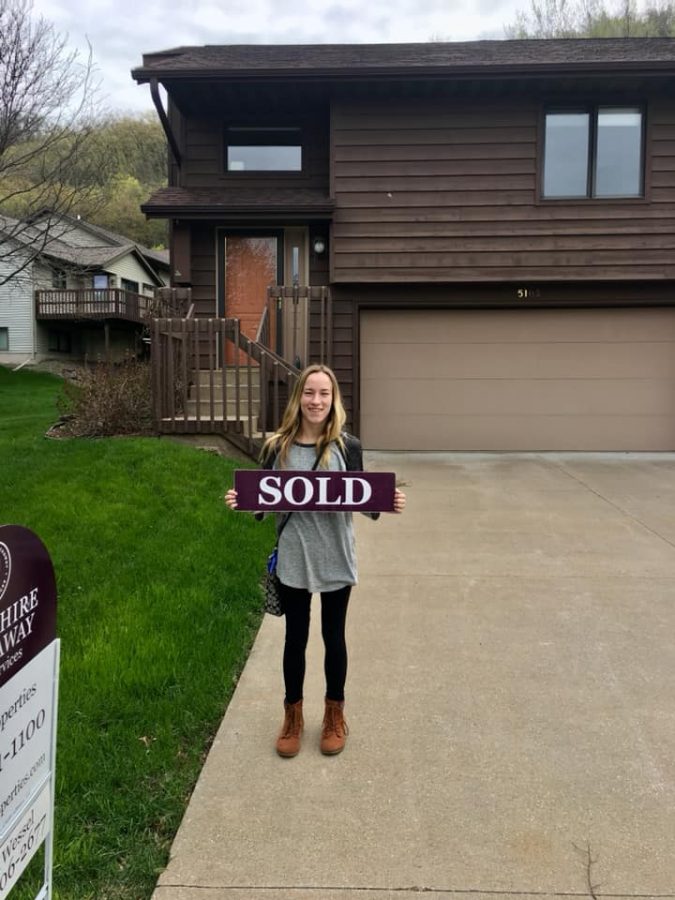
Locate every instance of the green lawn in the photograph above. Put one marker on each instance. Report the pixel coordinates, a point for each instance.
(157, 609)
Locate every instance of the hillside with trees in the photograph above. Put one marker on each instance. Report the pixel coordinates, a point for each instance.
(594, 19)
(109, 174)
(58, 150)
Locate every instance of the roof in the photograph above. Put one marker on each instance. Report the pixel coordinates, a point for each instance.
(56, 245)
(167, 201)
(348, 60)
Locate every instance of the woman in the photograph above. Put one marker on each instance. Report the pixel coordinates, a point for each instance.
(316, 552)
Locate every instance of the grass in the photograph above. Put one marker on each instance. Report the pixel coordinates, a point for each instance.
(157, 609)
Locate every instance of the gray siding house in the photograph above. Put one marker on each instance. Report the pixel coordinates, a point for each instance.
(72, 290)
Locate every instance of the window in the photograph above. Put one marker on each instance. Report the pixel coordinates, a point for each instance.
(128, 285)
(59, 280)
(252, 149)
(4, 338)
(59, 342)
(594, 152)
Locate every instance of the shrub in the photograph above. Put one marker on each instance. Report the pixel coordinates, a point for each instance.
(109, 399)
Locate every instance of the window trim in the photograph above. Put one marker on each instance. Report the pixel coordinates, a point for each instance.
(269, 128)
(593, 109)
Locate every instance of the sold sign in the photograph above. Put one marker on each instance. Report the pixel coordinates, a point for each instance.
(314, 491)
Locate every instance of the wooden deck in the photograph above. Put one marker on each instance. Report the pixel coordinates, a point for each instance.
(98, 305)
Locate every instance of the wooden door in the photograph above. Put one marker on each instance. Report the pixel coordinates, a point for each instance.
(250, 266)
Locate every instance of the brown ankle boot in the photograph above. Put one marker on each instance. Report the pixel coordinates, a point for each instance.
(334, 732)
(288, 742)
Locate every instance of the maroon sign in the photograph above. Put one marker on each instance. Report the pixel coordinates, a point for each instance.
(27, 599)
(314, 491)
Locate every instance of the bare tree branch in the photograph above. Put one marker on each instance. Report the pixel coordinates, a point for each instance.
(48, 112)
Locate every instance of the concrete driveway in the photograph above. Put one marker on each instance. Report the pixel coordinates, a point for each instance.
(511, 699)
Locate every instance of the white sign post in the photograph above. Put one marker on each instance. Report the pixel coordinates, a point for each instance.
(29, 666)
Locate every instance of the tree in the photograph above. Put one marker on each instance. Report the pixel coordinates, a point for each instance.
(593, 19)
(135, 153)
(48, 104)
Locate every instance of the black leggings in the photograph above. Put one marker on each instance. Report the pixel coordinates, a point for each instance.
(333, 615)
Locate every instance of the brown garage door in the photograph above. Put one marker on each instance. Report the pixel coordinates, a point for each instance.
(518, 379)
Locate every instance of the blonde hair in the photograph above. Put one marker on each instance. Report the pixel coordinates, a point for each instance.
(281, 441)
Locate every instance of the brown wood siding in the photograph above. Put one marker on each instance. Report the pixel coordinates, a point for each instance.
(431, 195)
(205, 154)
(204, 250)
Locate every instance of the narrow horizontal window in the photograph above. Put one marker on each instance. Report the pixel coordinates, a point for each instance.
(264, 150)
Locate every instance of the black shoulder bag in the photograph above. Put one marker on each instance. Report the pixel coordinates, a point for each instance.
(273, 602)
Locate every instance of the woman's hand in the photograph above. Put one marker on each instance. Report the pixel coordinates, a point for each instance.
(399, 501)
(230, 498)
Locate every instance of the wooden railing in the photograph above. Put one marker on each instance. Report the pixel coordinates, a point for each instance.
(193, 392)
(282, 313)
(108, 303)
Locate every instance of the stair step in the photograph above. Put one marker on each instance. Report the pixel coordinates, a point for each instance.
(205, 395)
(230, 407)
(231, 421)
(230, 377)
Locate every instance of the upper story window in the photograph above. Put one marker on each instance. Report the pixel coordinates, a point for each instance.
(259, 149)
(593, 152)
(59, 279)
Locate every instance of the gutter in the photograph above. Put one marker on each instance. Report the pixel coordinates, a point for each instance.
(163, 118)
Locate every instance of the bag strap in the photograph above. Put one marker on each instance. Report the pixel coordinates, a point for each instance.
(288, 515)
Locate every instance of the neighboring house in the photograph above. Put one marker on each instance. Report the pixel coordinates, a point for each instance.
(495, 221)
(81, 292)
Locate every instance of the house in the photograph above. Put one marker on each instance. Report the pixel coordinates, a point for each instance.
(72, 290)
(494, 222)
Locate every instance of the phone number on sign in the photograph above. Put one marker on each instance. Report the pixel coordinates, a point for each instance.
(23, 737)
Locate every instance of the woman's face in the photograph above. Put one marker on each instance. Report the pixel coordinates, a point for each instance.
(316, 399)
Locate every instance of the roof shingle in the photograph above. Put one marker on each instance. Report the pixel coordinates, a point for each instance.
(336, 59)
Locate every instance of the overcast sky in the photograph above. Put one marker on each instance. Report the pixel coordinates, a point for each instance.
(121, 31)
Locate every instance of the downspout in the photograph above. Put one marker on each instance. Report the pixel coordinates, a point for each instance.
(163, 118)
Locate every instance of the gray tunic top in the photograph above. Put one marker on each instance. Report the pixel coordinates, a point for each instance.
(316, 549)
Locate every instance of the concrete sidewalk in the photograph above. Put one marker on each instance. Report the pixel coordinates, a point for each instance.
(511, 700)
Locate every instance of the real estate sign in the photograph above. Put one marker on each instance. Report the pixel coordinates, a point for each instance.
(29, 660)
(314, 491)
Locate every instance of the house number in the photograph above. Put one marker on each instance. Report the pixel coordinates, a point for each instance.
(527, 293)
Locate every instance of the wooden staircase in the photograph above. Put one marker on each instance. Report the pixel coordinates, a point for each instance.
(220, 396)
(193, 395)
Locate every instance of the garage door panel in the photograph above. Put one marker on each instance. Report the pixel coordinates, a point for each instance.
(478, 433)
(496, 380)
(558, 360)
(519, 326)
(520, 397)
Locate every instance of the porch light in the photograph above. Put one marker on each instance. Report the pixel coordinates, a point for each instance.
(319, 245)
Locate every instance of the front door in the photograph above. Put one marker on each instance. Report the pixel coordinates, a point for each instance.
(251, 262)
